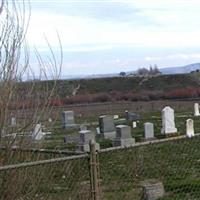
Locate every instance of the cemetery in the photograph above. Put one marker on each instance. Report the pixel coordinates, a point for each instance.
(146, 140)
(141, 150)
(105, 129)
(75, 127)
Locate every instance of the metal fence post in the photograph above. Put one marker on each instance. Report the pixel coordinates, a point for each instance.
(94, 172)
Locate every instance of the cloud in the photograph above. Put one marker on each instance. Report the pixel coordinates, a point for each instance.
(173, 56)
(86, 31)
(101, 10)
(115, 31)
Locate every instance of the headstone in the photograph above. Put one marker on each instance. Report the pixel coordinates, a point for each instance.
(13, 121)
(196, 110)
(116, 117)
(123, 136)
(107, 127)
(85, 137)
(131, 116)
(168, 123)
(153, 190)
(37, 132)
(190, 127)
(148, 130)
(134, 124)
(98, 130)
(67, 119)
(83, 127)
(49, 120)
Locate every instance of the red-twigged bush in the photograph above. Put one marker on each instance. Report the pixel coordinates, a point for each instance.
(183, 93)
(56, 102)
(78, 99)
(154, 95)
(102, 97)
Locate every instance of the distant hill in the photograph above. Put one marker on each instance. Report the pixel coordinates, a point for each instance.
(166, 70)
(181, 69)
(126, 88)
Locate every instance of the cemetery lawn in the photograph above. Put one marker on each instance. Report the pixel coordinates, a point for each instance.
(175, 163)
(57, 139)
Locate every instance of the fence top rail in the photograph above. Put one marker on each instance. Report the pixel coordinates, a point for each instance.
(86, 155)
(67, 152)
(147, 143)
(41, 162)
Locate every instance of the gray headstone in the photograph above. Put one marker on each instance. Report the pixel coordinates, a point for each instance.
(168, 123)
(123, 136)
(123, 131)
(153, 190)
(148, 130)
(131, 116)
(85, 137)
(106, 123)
(67, 118)
(107, 127)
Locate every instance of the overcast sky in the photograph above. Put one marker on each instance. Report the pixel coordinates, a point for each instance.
(111, 36)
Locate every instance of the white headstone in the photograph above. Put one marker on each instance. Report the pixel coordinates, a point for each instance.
(116, 117)
(196, 109)
(190, 127)
(134, 124)
(98, 130)
(168, 123)
(37, 133)
(13, 121)
(148, 130)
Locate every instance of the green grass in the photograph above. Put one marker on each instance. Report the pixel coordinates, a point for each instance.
(57, 139)
(175, 163)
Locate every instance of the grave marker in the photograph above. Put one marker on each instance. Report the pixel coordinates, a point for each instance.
(107, 127)
(190, 127)
(123, 136)
(148, 130)
(168, 123)
(67, 119)
(196, 110)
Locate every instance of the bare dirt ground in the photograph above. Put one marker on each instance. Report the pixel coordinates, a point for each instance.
(95, 109)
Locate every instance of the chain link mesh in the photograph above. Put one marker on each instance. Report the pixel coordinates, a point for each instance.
(174, 164)
(125, 173)
(54, 181)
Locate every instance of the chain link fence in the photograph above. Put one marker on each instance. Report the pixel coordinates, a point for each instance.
(52, 179)
(169, 169)
(161, 169)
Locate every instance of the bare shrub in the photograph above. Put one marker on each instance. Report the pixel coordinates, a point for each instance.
(28, 101)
